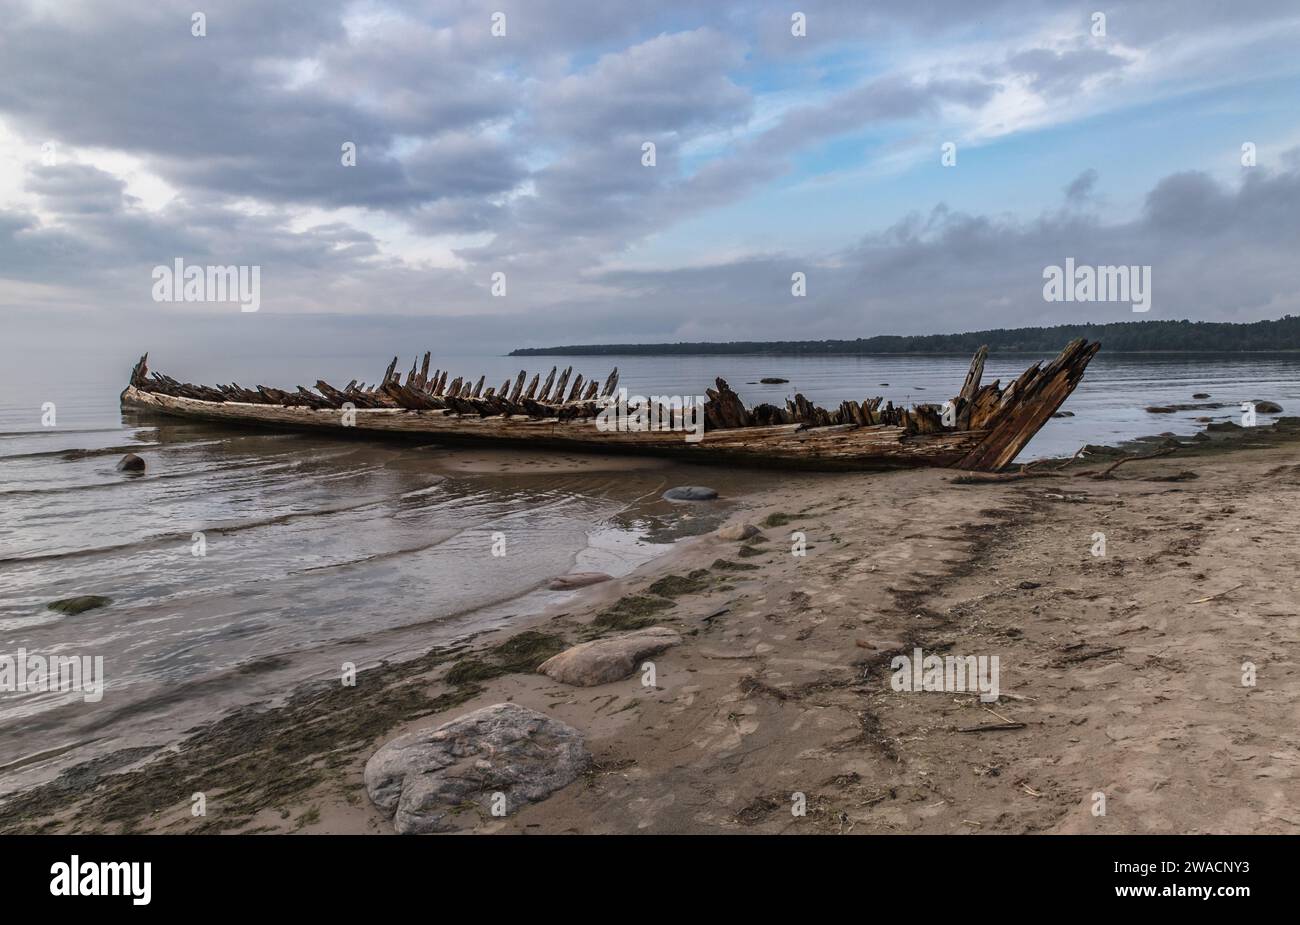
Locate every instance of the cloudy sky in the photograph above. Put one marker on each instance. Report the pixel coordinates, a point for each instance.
(127, 142)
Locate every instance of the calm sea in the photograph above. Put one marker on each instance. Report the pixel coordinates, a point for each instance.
(319, 550)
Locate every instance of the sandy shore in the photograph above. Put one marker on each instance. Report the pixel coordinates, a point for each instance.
(1121, 674)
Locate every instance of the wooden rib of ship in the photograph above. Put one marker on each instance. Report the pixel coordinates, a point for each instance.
(990, 425)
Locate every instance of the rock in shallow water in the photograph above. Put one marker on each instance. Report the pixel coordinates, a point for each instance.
(426, 778)
(76, 605)
(130, 463)
(605, 660)
(690, 493)
(578, 580)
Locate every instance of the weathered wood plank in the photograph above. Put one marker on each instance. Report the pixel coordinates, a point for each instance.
(558, 395)
(1040, 391)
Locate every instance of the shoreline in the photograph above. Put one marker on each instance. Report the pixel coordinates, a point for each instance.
(1124, 678)
(958, 354)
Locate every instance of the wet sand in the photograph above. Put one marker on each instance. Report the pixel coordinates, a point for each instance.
(1125, 670)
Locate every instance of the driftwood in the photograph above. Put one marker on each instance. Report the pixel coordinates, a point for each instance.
(1004, 723)
(1215, 597)
(988, 425)
(1028, 472)
(970, 388)
(991, 727)
(1105, 473)
(995, 477)
(1077, 454)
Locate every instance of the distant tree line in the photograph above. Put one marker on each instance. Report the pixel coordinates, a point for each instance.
(1120, 337)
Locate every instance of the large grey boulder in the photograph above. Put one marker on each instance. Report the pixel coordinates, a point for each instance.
(427, 777)
(604, 660)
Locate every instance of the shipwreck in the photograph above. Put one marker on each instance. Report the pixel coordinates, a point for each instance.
(983, 428)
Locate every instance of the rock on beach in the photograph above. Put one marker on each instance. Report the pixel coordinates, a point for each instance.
(426, 778)
(605, 660)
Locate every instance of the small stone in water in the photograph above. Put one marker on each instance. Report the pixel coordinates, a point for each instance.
(690, 493)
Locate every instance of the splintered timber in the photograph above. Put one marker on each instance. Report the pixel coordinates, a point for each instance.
(983, 427)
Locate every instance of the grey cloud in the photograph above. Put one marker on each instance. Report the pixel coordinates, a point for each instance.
(595, 193)
(884, 99)
(113, 244)
(601, 190)
(668, 84)
(1059, 73)
(219, 113)
(1189, 203)
(456, 165)
(458, 215)
(1081, 187)
(77, 188)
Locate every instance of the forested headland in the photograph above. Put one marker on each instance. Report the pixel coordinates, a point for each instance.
(1120, 337)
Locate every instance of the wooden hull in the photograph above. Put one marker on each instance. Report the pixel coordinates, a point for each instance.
(982, 428)
(786, 446)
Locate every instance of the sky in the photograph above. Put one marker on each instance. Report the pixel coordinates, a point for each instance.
(505, 142)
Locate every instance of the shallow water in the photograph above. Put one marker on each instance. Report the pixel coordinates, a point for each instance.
(320, 550)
